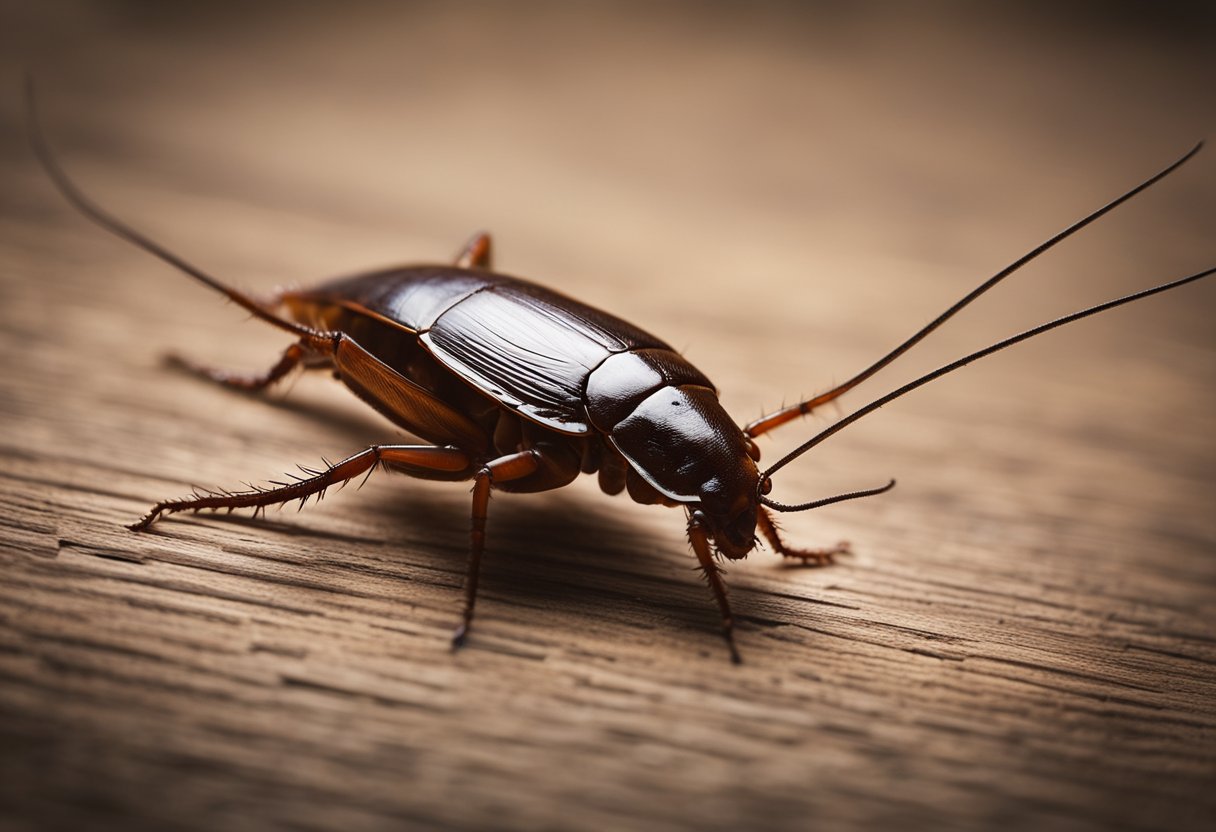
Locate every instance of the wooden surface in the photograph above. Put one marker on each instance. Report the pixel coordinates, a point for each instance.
(1026, 633)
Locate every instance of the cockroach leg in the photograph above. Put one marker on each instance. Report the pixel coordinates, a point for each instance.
(713, 575)
(476, 252)
(809, 557)
(251, 382)
(512, 467)
(422, 458)
(788, 414)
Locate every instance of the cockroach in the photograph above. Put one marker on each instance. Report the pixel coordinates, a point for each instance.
(520, 388)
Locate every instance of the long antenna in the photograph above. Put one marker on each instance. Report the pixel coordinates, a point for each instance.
(120, 229)
(773, 420)
(949, 368)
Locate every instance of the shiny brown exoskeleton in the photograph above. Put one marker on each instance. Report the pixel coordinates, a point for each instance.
(520, 388)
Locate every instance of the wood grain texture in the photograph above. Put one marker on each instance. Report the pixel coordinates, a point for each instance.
(1026, 633)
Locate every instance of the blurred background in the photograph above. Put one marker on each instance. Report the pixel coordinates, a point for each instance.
(781, 190)
(831, 174)
(808, 168)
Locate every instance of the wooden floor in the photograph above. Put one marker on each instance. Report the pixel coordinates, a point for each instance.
(1025, 635)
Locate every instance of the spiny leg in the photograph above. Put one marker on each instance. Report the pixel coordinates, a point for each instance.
(429, 458)
(316, 348)
(293, 356)
(787, 414)
(506, 468)
(713, 574)
(476, 252)
(809, 557)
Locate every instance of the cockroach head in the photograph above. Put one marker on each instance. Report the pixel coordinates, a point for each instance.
(686, 447)
(730, 511)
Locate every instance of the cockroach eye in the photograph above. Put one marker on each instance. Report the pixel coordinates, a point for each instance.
(753, 450)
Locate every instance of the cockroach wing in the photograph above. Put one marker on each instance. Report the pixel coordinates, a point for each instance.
(531, 349)
(409, 297)
(527, 347)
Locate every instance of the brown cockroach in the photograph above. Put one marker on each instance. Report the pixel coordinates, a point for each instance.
(520, 388)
